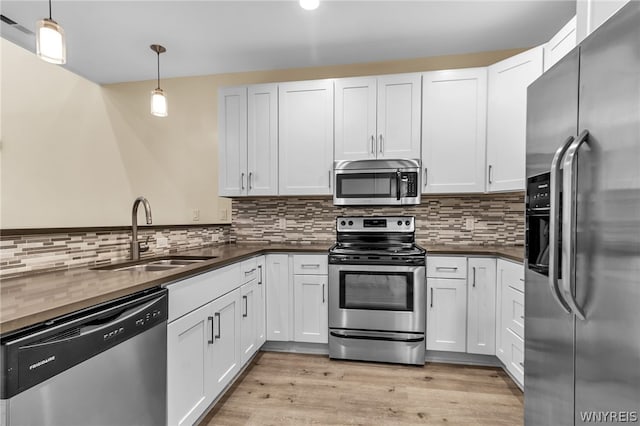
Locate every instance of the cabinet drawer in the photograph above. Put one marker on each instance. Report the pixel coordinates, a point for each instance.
(310, 264)
(447, 267)
(249, 270)
(515, 311)
(513, 275)
(515, 356)
(191, 293)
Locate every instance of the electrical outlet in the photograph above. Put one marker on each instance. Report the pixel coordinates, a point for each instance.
(162, 242)
(469, 224)
(196, 215)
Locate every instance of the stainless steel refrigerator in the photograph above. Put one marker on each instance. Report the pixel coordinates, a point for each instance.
(582, 285)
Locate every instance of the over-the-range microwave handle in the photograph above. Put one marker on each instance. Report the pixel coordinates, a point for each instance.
(554, 220)
(398, 180)
(569, 182)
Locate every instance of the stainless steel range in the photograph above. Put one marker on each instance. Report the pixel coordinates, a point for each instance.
(377, 291)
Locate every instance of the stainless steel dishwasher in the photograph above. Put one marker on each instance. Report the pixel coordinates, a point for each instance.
(104, 365)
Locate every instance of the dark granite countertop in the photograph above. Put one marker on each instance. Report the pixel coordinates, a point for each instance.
(33, 298)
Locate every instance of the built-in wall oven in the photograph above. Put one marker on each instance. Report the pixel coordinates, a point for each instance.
(377, 290)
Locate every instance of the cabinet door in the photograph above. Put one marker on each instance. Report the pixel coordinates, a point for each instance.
(560, 44)
(355, 115)
(306, 137)
(248, 326)
(481, 306)
(446, 314)
(232, 141)
(311, 313)
(454, 116)
(262, 140)
(506, 119)
(509, 279)
(261, 300)
(279, 298)
(188, 367)
(225, 362)
(399, 116)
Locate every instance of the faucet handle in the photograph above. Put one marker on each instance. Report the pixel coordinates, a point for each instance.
(143, 246)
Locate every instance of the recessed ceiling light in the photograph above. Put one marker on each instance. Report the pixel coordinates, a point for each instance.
(309, 4)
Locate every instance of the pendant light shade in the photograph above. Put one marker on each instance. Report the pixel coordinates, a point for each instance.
(158, 97)
(50, 40)
(158, 103)
(309, 4)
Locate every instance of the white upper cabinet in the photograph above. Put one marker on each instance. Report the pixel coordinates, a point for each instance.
(232, 141)
(262, 152)
(248, 140)
(454, 117)
(306, 137)
(506, 119)
(561, 44)
(378, 117)
(593, 13)
(355, 114)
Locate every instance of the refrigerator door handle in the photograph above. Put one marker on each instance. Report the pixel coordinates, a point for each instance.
(554, 214)
(569, 180)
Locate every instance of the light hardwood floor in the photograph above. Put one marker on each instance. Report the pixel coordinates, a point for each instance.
(295, 389)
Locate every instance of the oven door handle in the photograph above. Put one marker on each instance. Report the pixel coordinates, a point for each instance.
(398, 179)
(393, 337)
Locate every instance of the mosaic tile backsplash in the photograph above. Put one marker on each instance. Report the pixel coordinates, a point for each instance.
(496, 219)
(46, 252)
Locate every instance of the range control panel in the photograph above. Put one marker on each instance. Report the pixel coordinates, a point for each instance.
(375, 224)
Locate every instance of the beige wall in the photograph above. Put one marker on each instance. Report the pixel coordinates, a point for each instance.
(76, 154)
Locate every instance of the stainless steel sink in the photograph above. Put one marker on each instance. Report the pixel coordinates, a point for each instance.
(156, 264)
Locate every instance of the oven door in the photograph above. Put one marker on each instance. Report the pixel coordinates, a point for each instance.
(377, 297)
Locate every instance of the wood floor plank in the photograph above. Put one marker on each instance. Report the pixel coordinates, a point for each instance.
(295, 389)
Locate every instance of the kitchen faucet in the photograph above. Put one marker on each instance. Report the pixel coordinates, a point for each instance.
(138, 247)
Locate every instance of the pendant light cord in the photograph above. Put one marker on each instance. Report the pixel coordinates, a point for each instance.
(158, 54)
(50, 10)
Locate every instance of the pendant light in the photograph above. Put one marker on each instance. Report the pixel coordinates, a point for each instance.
(50, 40)
(158, 97)
(309, 4)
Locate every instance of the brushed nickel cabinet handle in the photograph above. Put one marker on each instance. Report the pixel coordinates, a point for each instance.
(373, 144)
(490, 169)
(432, 297)
(260, 270)
(381, 144)
(322, 293)
(474, 276)
(425, 176)
(246, 307)
(241, 180)
(250, 179)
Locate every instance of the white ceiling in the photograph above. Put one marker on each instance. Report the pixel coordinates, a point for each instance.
(108, 41)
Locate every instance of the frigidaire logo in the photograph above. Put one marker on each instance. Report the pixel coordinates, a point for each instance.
(43, 362)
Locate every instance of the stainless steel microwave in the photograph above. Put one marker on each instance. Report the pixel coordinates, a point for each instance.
(377, 182)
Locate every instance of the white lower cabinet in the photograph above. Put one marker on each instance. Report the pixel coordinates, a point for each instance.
(249, 326)
(188, 373)
(446, 314)
(279, 299)
(310, 308)
(261, 303)
(510, 317)
(203, 355)
(226, 357)
(481, 306)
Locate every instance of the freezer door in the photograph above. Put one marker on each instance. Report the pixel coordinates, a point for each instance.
(552, 118)
(608, 224)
